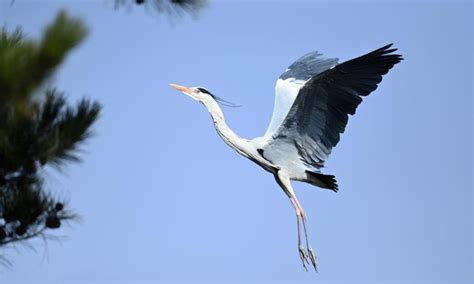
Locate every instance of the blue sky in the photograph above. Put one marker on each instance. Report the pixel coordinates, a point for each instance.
(164, 200)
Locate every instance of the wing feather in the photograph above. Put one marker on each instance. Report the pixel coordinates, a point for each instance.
(320, 111)
(291, 81)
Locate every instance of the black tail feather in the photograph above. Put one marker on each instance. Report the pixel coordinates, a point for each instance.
(324, 181)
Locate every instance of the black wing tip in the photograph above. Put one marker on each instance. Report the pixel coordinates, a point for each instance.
(387, 51)
(382, 55)
(387, 46)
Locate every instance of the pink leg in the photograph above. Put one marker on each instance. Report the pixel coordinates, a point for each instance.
(285, 184)
(311, 254)
(302, 251)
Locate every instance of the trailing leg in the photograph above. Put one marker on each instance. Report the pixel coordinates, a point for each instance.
(305, 255)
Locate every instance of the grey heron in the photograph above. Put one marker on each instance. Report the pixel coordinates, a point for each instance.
(314, 97)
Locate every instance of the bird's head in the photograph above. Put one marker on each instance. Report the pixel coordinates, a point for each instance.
(197, 93)
(202, 95)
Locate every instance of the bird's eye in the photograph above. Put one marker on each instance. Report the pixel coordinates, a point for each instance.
(197, 91)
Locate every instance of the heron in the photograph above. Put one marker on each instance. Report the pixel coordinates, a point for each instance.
(314, 98)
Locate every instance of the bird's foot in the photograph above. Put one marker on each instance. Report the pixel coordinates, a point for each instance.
(303, 256)
(312, 257)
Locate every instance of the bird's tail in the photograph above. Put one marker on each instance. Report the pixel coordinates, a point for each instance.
(320, 180)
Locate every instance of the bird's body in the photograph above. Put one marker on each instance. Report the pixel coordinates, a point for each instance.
(314, 97)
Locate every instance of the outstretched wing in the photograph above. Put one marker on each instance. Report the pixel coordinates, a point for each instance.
(320, 112)
(291, 81)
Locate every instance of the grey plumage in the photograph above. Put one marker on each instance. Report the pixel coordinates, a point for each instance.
(308, 66)
(320, 111)
(314, 98)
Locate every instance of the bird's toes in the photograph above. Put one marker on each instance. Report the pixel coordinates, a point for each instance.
(303, 256)
(312, 257)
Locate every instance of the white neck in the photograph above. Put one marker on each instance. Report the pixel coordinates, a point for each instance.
(242, 146)
(230, 138)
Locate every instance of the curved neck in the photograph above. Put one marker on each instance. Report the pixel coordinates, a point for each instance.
(242, 146)
(229, 136)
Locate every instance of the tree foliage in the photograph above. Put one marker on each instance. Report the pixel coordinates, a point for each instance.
(37, 128)
(166, 6)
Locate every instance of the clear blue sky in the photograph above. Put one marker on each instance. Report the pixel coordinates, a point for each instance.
(164, 200)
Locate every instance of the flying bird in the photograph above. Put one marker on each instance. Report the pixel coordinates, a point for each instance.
(314, 97)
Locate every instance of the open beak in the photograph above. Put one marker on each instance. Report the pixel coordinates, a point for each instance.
(182, 88)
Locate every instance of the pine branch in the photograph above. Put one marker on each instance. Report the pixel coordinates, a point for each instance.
(27, 210)
(65, 131)
(25, 65)
(169, 7)
(36, 129)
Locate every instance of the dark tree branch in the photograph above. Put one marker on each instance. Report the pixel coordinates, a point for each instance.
(170, 7)
(36, 129)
